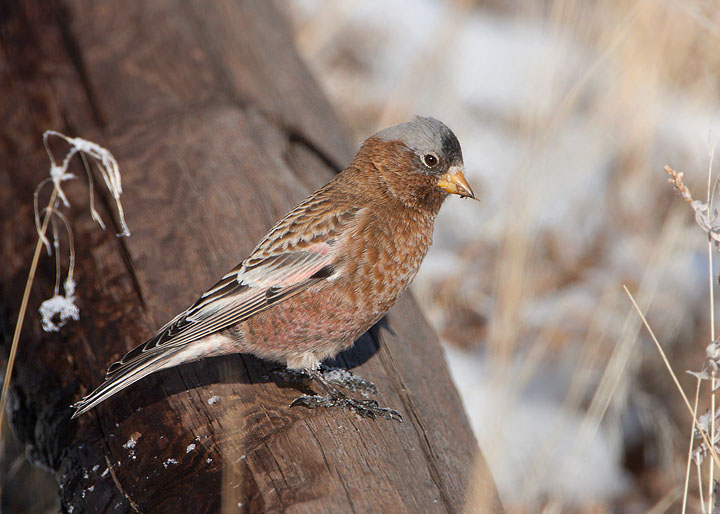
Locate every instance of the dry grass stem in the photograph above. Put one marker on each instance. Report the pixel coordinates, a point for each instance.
(690, 448)
(56, 311)
(701, 494)
(707, 218)
(665, 502)
(23, 309)
(711, 475)
(711, 448)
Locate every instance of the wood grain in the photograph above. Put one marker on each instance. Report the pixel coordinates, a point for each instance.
(219, 129)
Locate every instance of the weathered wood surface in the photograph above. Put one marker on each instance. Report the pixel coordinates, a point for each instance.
(219, 130)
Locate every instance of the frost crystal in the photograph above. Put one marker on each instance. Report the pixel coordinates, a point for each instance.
(57, 310)
(60, 308)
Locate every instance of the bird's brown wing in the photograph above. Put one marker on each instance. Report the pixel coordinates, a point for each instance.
(301, 250)
(235, 299)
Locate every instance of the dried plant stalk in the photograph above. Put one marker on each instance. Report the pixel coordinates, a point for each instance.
(59, 309)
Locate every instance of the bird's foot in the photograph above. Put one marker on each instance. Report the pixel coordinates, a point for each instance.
(345, 379)
(365, 408)
(328, 378)
(291, 375)
(335, 376)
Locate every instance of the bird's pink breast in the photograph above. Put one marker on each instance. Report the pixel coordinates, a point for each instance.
(318, 320)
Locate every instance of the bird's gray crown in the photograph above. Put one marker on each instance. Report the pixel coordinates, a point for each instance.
(425, 135)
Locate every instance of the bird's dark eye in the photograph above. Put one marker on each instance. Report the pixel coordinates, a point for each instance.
(431, 160)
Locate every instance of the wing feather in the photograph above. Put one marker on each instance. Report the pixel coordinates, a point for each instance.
(226, 307)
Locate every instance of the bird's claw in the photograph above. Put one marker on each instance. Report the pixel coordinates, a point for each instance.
(331, 377)
(365, 408)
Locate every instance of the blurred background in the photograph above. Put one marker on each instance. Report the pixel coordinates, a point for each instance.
(567, 112)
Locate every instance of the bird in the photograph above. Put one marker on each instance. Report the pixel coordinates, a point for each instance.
(323, 275)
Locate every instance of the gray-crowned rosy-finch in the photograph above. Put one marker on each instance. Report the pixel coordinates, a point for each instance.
(324, 274)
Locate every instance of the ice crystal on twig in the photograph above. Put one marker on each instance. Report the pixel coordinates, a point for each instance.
(60, 308)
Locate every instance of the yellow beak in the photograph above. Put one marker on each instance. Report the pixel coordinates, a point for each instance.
(454, 183)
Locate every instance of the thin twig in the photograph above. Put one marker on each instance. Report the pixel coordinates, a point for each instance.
(665, 502)
(700, 486)
(690, 449)
(711, 477)
(711, 448)
(23, 306)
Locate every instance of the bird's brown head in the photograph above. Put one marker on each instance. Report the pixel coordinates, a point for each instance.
(419, 162)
